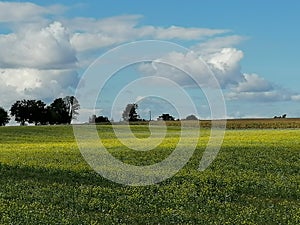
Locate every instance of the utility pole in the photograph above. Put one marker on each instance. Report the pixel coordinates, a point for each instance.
(150, 115)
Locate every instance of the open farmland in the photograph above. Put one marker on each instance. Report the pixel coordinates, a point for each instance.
(255, 178)
(264, 123)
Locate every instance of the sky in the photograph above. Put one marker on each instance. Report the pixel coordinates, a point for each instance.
(251, 48)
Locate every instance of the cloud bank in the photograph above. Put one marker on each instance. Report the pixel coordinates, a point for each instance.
(43, 54)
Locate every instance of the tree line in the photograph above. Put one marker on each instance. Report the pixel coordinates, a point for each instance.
(60, 111)
(63, 110)
(130, 115)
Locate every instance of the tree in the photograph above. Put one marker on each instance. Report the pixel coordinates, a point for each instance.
(101, 119)
(58, 112)
(61, 111)
(98, 119)
(72, 105)
(31, 111)
(19, 111)
(36, 110)
(130, 114)
(166, 117)
(191, 117)
(4, 118)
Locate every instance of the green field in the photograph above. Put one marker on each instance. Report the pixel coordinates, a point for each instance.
(255, 179)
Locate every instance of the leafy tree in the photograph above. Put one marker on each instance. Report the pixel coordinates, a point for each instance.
(4, 118)
(191, 117)
(51, 116)
(31, 111)
(36, 110)
(72, 106)
(101, 119)
(58, 112)
(166, 117)
(130, 114)
(19, 111)
(98, 119)
(61, 111)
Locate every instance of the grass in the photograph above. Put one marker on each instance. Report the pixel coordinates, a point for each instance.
(255, 179)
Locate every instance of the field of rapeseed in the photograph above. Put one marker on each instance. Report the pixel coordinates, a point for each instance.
(255, 179)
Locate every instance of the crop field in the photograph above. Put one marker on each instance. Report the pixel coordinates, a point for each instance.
(255, 178)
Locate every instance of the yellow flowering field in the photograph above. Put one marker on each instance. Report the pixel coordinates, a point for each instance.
(255, 179)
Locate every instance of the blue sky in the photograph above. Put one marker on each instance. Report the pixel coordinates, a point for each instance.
(252, 47)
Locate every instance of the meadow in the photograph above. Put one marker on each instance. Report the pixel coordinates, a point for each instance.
(255, 178)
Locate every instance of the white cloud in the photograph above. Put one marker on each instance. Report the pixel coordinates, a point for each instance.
(87, 41)
(175, 32)
(39, 59)
(109, 25)
(33, 83)
(36, 61)
(26, 11)
(90, 34)
(267, 96)
(215, 44)
(257, 89)
(254, 83)
(46, 48)
(223, 65)
(190, 63)
(8, 94)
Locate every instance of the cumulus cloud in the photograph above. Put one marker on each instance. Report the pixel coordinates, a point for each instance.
(37, 62)
(257, 89)
(8, 94)
(35, 83)
(46, 48)
(41, 56)
(254, 83)
(178, 68)
(44, 55)
(223, 65)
